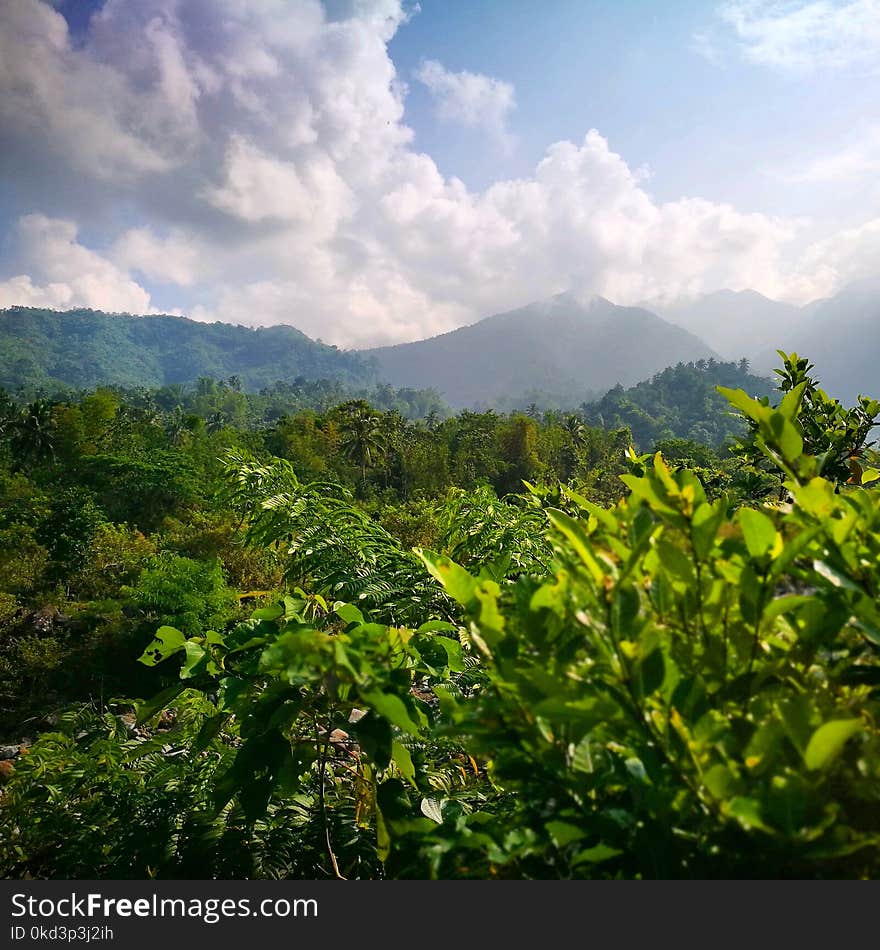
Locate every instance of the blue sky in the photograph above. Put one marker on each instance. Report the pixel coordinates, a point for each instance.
(373, 172)
(724, 128)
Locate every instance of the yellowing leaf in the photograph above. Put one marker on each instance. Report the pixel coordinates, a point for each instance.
(828, 740)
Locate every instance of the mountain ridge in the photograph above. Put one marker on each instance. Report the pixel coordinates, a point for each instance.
(555, 345)
(86, 348)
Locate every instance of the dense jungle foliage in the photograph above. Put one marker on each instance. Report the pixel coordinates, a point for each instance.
(88, 348)
(483, 645)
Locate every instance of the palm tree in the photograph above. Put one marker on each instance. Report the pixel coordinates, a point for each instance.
(175, 425)
(575, 428)
(32, 435)
(363, 441)
(216, 421)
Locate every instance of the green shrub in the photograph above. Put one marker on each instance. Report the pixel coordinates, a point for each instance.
(689, 694)
(115, 556)
(191, 595)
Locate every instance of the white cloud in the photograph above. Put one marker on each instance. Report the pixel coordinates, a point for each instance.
(807, 34)
(472, 99)
(851, 254)
(255, 156)
(72, 275)
(259, 188)
(851, 163)
(174, 259)
(93, 114)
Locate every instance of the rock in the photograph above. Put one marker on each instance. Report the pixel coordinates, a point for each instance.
(129, 721)
(47, 618)
(8, 752)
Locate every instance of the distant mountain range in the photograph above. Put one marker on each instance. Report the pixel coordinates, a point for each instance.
(840, 335)
(87, 348)
(555, 348)
(735, 323)
(562, 351)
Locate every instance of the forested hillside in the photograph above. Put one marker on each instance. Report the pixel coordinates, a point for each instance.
(681, 402)
(85, 348)
(478, 646)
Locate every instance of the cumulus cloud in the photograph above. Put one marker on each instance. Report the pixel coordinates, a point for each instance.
(173, 259)
(807, 34)
(254, 159)
(851, 254)
(71, 275)
(472, 99)
(104, 120)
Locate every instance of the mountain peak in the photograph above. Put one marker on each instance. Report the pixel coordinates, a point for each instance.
(570, 346)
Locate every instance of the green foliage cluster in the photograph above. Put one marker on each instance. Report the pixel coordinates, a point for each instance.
(681, 402)
(81, 349)
(190, 594)
(677, 678)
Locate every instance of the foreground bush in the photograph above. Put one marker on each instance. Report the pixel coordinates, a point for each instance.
(687, 691)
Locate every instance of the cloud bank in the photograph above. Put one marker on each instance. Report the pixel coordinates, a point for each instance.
(252, 162)
(799, 35)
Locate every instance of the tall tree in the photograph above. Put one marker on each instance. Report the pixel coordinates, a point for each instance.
(32, 434)
(363, 441)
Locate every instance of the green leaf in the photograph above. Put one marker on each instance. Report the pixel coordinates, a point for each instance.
(437, 626)
(454, 658)
(579, 540)
(817, 497)
(148, 708)
(374, 734)
(392, 708)
(167, 642)
(758, 531)
(209, 731)
(745, 403)
(783, 432)
(195, 654)
(455, 579)
(403, 761)
(269, 613)
(795, 713)
(828, 740)
(720, 781)
(747, 811)
(563, 833)
(596, 855)
(791, 401)
(676, 564)
(348, 612)
(705, 523)
(649, 673)
(383, 838)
